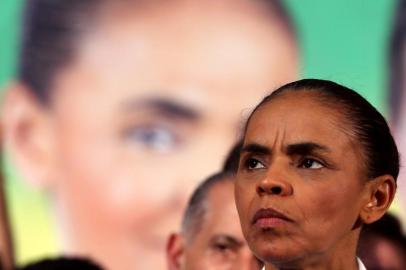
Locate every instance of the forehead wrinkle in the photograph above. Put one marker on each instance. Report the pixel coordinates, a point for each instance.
(280, 134)
(280, 137)
(283, 135)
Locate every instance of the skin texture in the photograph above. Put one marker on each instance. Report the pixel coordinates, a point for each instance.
(321, 190)
(141, 113)
(219, 244)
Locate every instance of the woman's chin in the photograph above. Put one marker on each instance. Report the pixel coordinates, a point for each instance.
(278, 256)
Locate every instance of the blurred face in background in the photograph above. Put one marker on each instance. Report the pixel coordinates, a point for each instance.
(218, 243)
(149, 105)
(383, 254)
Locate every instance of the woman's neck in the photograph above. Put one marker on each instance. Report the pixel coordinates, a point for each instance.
(348, 265)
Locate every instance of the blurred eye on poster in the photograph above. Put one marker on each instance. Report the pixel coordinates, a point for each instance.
(122, 108)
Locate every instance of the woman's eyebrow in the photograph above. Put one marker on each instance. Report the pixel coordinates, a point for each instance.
(163, 106)
(256, 148)
(305, 148)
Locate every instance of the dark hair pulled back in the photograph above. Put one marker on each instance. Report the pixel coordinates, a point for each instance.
(366, 125)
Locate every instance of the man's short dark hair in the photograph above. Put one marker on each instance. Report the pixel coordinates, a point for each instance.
(197, 206)
(233, 159)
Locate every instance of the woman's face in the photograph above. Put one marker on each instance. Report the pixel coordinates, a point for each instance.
(299, 187)
(148, 107)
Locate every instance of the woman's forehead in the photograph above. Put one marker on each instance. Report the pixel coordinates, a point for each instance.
(298, 116)
(298, 104)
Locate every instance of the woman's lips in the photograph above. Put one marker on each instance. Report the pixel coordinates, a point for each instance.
(269, 218)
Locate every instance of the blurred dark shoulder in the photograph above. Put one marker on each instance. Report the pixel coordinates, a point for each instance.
(63, 263)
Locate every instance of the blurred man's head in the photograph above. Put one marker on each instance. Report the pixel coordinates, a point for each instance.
(382, 245)
(211, 236)
(122, 106)
(233, 159)
(397, 68)
(397, 91)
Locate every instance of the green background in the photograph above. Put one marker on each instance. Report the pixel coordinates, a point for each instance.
(342, 40)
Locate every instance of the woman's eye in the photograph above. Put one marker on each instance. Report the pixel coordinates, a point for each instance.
(309, 163)
(157, 138)
(253, 164)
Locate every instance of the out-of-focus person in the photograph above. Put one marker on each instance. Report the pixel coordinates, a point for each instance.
(6, 247)
(120, 107)
(382, 245)
(318, 163)
(397, 94)
(232, 160)
(211, 237)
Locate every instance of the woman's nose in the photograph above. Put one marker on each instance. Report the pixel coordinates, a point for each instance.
(274, 184)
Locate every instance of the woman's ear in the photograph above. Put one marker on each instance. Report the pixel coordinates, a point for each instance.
(28, 134)
(175, 252)
(380, 193)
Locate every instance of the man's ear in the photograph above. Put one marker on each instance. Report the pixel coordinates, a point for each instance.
(28, 134)
(175, 252)
(380, 193)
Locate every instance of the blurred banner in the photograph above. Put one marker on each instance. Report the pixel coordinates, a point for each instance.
(142, 106)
